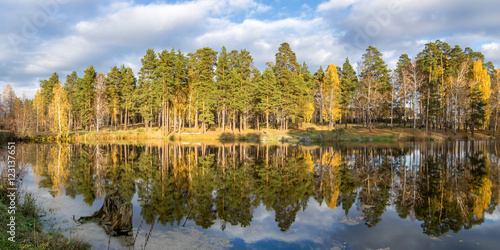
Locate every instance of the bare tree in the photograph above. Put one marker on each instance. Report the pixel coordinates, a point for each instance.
(459, 84)
(416, 78)
(8, 98)
(100, 102)
(496, 100)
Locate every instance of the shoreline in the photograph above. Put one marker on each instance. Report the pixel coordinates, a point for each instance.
(296, 136)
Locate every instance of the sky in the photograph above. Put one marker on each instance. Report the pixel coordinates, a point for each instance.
(40, 37)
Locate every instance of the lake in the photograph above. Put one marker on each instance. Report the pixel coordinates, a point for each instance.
(415, 195)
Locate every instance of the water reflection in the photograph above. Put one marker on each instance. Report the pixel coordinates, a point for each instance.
(445, 186)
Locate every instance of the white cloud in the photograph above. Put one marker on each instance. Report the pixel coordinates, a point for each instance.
(263, 226)
(307, 38)
(491, 52)
(336, 4)
(495, 216)
(62, 55)
(114, 32)
(136, 24)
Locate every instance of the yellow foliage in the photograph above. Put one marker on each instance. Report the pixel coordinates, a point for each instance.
(331, 179)
(38, 107)
(58, 110)
(332, 94)
(482, 81)
(333, 160)
(483, 197)
(57, 167)
(308, 110)
(308, 161)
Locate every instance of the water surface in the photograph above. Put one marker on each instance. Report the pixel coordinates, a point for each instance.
(417, 195)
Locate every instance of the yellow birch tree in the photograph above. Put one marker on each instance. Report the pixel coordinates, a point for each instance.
(58, 110)
(38, 107)
(481, 79)
(332, 91)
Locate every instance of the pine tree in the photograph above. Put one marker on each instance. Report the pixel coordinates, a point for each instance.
(70, 87)
(430, 64)
(47, 93)
(113, 93)
(375, 83)
(47, 86)
(268, 95)
(348, 86)
(285, 68)
(180, 89)
(127, 92)
(144, 95)
(85, 96)
(244, 70)
(205, 85)
(222, 76)
(306, 99)
(319, 79)
(164, 86)
(478, 108)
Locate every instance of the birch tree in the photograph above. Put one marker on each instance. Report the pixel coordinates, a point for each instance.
(58, 110)
(100, 101)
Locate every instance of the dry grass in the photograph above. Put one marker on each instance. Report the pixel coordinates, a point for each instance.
(28, 230)
(313, 133)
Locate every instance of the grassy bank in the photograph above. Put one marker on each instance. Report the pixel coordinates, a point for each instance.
(28, 228)
(309, 134)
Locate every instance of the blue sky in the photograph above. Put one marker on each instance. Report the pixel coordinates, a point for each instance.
(40, 37)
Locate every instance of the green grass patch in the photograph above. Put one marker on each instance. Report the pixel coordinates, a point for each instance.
(383, 138)
(28, 228)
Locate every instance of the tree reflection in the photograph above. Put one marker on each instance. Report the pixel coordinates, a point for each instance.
(447, 186)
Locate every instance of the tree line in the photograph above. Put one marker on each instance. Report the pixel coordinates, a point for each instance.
(443, 87)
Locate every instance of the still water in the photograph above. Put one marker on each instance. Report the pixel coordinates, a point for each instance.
(441, 195)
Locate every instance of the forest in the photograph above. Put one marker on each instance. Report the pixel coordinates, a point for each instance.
(443, 87)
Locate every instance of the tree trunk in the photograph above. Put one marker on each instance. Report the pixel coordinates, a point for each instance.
(496, 122)
(427, 114)
(472, 128)
(267, 122)
(196, 120)
(126, 117)
(180, 122)
(234, 121)
(223, 118)
(240, 120)
(345, 117)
